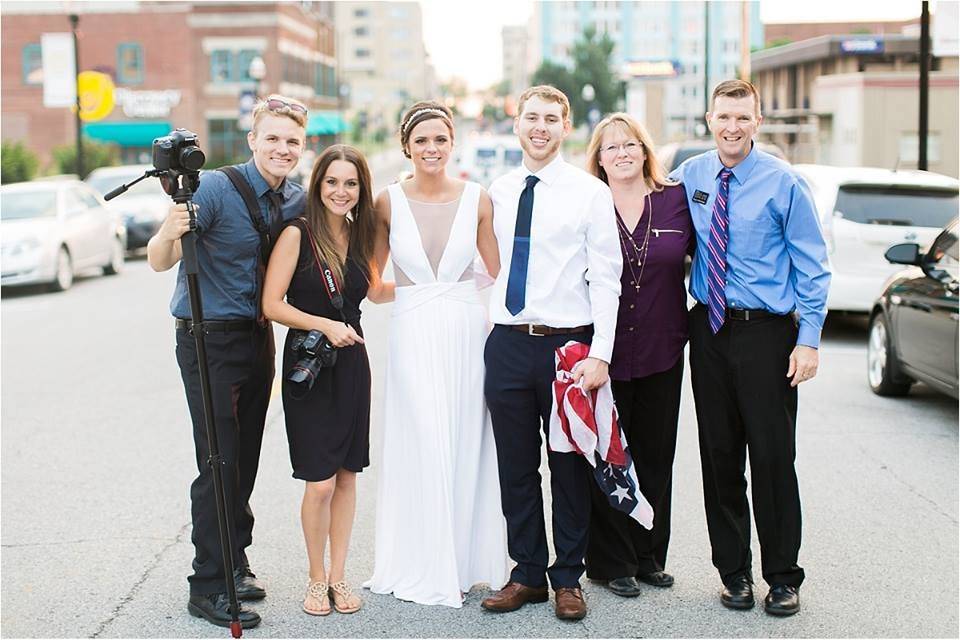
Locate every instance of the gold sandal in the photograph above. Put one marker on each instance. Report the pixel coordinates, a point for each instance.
(343, 590)
(320, 592)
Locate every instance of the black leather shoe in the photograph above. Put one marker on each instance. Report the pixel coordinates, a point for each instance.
(215, 607)
(657, 579)
(738, 594)
(248, 587)
(782, 600)
(625, 587)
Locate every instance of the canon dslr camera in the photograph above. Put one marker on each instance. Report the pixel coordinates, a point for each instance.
(315, 352)
(178, 151)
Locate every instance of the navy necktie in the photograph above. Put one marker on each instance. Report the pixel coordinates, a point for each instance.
(517, 282)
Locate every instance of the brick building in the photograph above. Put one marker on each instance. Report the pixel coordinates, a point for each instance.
(174, 64)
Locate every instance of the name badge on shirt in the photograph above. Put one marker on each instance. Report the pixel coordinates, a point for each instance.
(700, 197)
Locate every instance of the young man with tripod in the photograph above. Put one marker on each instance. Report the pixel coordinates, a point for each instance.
(239, 341)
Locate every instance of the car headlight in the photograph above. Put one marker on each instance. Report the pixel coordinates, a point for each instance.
(27, 245)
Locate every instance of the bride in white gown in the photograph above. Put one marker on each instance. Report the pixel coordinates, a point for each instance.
(440, 527)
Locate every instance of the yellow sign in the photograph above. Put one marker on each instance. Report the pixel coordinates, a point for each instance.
(96, 95)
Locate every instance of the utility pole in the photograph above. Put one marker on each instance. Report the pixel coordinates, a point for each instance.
(706, 56)
(74, 21)
(924, 85)
(745, 40)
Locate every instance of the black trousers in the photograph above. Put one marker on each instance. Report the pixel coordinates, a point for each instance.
(241, 374)
(744, 400)
(649, 408)
(518, 388)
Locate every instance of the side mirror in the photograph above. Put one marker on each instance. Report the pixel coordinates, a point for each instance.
(907, 253)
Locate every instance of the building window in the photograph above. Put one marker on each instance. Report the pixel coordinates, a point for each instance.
(362, 53)
(361, 31)
(129, 63)
(221, 64)
(227, 143)
(359, 13)
(32, 64)
(244, 58)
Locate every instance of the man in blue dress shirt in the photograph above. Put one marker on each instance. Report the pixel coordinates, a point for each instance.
(239, 343)
(760, 278)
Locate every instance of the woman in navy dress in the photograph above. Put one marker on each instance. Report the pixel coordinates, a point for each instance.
(656, 235)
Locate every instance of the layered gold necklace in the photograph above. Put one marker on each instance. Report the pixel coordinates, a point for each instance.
(627, 242)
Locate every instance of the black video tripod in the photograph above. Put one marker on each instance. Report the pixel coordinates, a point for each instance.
(181, 185)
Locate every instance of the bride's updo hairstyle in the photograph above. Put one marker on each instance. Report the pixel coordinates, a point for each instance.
(421, 111)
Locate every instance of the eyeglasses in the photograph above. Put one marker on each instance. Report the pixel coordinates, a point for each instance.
(632, 147)
(275, 104)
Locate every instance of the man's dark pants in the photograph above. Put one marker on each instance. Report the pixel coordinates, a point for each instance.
(518, 387)
(744, 399)
(241, 367)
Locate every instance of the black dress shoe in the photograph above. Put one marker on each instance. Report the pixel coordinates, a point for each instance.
(215, 607)
(657, 579)
(248, 587)
(625, 587)
(738, 594)
(782, 600)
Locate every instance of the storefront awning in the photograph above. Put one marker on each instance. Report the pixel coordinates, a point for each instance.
(326, 123)
(127, 134)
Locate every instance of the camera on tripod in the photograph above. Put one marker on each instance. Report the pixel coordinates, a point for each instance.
(178, 151)
(315, 352)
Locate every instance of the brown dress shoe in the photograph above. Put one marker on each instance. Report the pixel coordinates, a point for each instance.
(513, 596)
(570, 604)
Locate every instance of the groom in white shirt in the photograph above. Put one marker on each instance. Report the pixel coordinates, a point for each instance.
(559, 281)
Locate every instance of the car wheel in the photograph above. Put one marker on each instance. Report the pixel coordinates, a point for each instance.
(883, 368)
(117, 253)
(63, 278)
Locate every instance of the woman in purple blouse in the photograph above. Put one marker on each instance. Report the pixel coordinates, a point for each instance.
(656, 234)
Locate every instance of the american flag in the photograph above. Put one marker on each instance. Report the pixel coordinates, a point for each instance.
(586, 423)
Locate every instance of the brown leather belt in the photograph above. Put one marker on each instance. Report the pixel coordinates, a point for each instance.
(543, 330)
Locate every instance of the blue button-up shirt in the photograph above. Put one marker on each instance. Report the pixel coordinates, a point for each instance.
(228, 247)
(776, 255)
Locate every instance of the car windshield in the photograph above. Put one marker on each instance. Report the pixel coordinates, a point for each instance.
(910, 206)
(684, 153)
(19, 205)
(512, 157)
(106, 182)
(486, 156)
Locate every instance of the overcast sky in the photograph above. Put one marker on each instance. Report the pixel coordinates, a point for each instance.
(463, 38)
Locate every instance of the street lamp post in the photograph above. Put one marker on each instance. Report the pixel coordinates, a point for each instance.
(588, 94)
(257, 72)
(74, 21)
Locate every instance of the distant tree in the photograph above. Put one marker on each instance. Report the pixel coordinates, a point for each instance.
(17, 163)
(501, 89)
(778, 42)
(591, 65)
(95, 155)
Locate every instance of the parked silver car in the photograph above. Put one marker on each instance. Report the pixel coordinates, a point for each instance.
(142, 208)
(55, 229)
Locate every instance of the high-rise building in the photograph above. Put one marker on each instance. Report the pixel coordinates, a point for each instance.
(383, 61)
(659, 49)
(516, 68)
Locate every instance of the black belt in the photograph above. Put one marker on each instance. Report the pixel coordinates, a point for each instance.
(223, 326)
(543, 330)
(750, 314)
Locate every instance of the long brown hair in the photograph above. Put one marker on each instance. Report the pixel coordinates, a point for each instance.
(361, 220)
(653, 172)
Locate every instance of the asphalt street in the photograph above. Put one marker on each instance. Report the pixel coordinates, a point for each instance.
(97, 459)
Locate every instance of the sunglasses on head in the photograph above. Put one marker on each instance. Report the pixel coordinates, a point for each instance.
(275, 104)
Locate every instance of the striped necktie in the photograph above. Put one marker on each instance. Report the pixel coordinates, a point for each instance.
(717, 255)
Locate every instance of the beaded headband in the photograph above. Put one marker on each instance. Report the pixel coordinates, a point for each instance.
(420, 112)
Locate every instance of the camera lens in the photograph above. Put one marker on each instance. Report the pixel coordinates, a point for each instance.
(192, 158)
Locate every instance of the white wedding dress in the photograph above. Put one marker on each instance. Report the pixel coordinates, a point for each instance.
(440, 527)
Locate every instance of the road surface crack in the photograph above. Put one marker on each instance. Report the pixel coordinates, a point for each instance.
(936, 506)
(139, 583)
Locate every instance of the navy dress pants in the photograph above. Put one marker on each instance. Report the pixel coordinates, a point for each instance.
(520, 370)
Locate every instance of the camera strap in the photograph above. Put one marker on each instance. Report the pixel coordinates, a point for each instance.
(329, 280)
(262, 228)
